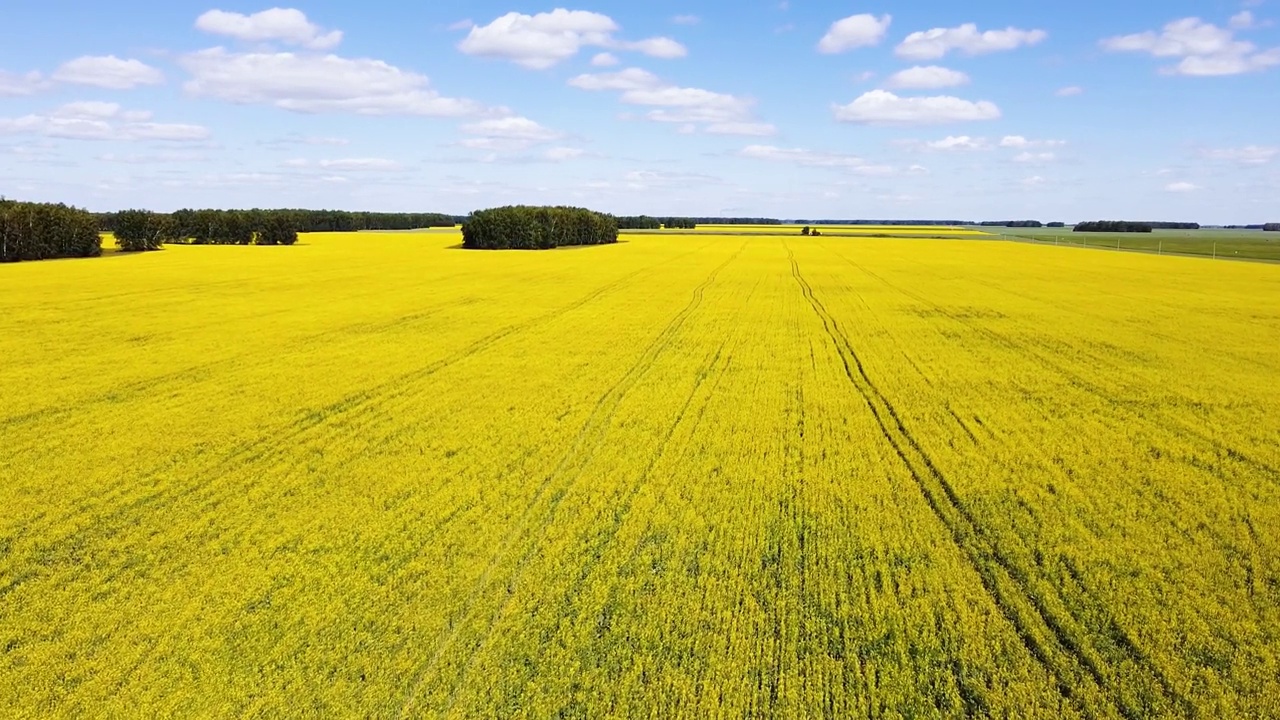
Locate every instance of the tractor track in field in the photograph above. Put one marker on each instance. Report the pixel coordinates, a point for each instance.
(1076, 380)
(582, 450)
(1123, 640)
(1005, 584)
(626, 498)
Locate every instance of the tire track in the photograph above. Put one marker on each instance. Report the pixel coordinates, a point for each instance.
(1076, 380)
(1062, 658)
(582, 451)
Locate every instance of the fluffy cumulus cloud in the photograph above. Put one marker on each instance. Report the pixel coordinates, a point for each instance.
(108, 72)
(313, 83)
(508, 134)
(284, 25)
(1203, 49)
(930, 77)
(959, 142)
(718, 113)
(605, 59)
(547, 39)
(938, 42)
(100, 121)
(881, 107)
(856, 31)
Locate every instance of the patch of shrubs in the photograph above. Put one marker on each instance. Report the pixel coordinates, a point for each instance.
(523, 227)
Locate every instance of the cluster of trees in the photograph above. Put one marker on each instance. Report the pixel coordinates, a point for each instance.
(1056, 225)
(1114, 226)
(811, 231)
(1271, 227)
(639, 222)
(39, 231)
(235, 227)
(1173, 225)
(523, 227)
(142, 230)
(675, 223)
(1012, 223)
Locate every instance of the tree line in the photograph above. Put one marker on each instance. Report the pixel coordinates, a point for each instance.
(523, 227)
(644, 222)
(43, 231)
(1271, 227)
(1114, 226)
(1012, 223)
(335, 220)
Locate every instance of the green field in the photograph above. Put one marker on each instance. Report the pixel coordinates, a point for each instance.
(1243, 244)
(373, 475)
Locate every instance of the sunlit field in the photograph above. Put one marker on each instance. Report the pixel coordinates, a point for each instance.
(687, 475)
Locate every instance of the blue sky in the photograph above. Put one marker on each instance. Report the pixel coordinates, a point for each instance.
(985, 110)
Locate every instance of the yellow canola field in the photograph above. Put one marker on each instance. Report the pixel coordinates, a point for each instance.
(681, 476)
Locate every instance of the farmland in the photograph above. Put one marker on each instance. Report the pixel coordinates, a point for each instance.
(683, 475)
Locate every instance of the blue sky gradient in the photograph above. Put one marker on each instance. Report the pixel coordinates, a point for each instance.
(1047, 111)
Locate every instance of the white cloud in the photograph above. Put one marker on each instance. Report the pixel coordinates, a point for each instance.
(1031, 157)
(659, 47)
(361, 165)
(805, 158)
(686, 20)
(286, 25)
(547, 39)
(959, 142)
(26, 84)
(108, 72)
(1242, 20)
(1206, 49)
(722, 113)
(929, 77)
(466, 24)
(319, 83)
(1181, 187)
(605, 60)
(168, 157)
(747, 129)
(1019, 142)
(562, 154)
(629, 79)
(936, 43)
(854, 32)
(1249, 155)
(864, 76)
(512, 128)
(1070, 91)
(881, 107)
(100, 121)
(346, 164)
